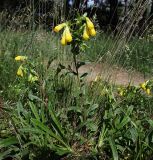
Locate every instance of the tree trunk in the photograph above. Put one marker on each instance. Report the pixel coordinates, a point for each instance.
(113, 13)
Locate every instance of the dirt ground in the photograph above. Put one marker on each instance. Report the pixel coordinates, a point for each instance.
(111, 73)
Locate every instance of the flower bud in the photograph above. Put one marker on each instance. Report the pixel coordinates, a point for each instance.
(143, 86)
(148, 91)
(92, 32)
(85, 33)
(90, 25)
(63, 40)
(68, 35)
(59, 27)
(20, 71)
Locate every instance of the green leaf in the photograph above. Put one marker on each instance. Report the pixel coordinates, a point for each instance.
(102, 136)
(113, 148)
(151, 122)
(56, 124)
(34, 110)
(125, 120)
(79, 64)
(75, 109)
(134, 134)
(61, 150)
(5, 154)
(33, 97)
(8, 141)
(48, 131)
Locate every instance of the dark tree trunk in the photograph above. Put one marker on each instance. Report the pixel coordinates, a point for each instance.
(113, 13)
(151, 14)
(71, 11)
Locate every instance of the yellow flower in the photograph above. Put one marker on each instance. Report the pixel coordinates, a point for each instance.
(59, 27)
(148, 91)
(143, 86)
(90, 25)
(68, 35)
(20, 71)
(63, 40)
(20, 58)
(121, 93)
(92, 32)
(85, 33)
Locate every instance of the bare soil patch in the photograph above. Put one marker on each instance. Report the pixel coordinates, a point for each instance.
(111, 73)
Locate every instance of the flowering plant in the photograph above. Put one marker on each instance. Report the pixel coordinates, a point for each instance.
(26, 69)
(75, 33)
(81, 28)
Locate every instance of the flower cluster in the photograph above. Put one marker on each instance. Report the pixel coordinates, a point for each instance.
(89, 29)
(23, 70)
(145, 87)
(21, 58)
(66, 37)
(122, 91)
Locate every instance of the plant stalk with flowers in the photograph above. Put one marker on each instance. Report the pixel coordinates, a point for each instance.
(75, 33)
(25, 69)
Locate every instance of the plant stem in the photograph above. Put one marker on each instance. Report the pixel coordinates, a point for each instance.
(76, 68)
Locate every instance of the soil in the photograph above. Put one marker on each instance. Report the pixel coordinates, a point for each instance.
(110, 73)
(113, 74)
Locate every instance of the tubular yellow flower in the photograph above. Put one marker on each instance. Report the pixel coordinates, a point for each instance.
(148, 91)
(20, 71)
(63, 40)
(59, 27)
(68, 35)
(20, 58)
(85, 34)
(143, 86)
(92, 32)
(90, 25)
(121, 93)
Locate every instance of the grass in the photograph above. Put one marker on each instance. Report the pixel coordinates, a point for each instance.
(56, 117)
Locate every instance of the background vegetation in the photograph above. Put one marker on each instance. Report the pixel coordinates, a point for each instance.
(59, 117)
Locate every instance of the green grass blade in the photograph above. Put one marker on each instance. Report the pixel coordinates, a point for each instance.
(8, 141)
(113, 148)
(5, 154)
